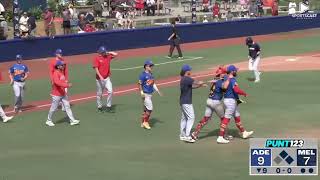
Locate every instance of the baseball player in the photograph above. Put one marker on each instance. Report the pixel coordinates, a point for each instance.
(58, 54)
(101, 64)
(147, 86)
(214, 101)
(18, 74)
(58, 94)
(254, 57)
(232, 90)
(187, 116)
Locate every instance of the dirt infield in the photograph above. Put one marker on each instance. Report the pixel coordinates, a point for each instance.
(277, 63)
(39, 66)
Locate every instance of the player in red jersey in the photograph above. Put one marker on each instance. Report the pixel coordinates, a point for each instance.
(101, 65)
(52, 68)
(59, 94)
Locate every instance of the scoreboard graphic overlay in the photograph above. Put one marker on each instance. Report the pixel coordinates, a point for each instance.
(269, 156)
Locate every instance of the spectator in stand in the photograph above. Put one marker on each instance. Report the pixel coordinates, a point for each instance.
(274, 8)
(72, 11)
(178, 19)
(205, 5)
(3, 28)
(32, 25)
(89, 17)
(66, 16)
(97, 9)
(292, 7)
(216, 11)
(23, 25)
(151, 6)
(119, 17)
(205, 19)
(2, 10)
(160, 6)
(260, 7)
(253, 9)
(48, 23)
(139, 6)
(89, 28)
(82, 23)
(229, 16)
(244, 4)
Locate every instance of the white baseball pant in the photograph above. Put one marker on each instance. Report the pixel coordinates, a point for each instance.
(187, 120)
(2, 113)
(253, 66)
(214, 106)
(18, 89)
(101, 86)
(147, 102)
(54, 106)
(232, 109)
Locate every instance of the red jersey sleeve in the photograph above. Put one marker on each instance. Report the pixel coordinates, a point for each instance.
(95, 62)
(51, 69)
(58, 82)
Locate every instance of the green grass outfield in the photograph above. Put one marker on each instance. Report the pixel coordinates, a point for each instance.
(113, 146)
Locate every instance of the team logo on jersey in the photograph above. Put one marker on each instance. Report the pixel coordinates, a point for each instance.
(150, 82)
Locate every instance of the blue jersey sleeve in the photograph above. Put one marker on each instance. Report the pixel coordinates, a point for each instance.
(189, 81)
(11, 70)
(26, 69)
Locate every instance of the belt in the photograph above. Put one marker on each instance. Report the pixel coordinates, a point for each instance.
(19, 81)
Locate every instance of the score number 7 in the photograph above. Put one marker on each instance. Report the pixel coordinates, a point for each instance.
(306, 160)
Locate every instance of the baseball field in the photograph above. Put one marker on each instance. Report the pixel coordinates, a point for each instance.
(114, 146)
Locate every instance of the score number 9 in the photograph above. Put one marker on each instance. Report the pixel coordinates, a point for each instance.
(260, 160)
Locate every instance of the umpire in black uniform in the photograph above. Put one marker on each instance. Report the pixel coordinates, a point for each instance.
(175, 41)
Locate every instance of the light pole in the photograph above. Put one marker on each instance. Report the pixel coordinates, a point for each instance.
(193, 11)
(16, 10)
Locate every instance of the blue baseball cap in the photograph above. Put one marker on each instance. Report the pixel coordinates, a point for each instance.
(148, 62)
(186, 67)
(18, 57)
(231, 68)
(58, 51)
(59, 63)
(102, 50)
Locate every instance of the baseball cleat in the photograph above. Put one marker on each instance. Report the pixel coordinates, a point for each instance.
(7, 118)
(169, 57)
(257, 81)
(50, 123)
(109, 110)
(180, 57)
(228, 137)
(222, 140)
(141, 125)
(100, 110)
(246, 134)
(146, 125)
(74, 122)
(183, 138)
(189, 139)
(194, 136)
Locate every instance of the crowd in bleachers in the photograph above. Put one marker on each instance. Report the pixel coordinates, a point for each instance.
(121, 14)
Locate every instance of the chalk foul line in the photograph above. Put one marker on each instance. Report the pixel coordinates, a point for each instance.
(115, 93)
(159, 64)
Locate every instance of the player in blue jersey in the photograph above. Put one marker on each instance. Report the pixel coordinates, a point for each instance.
(214, 101)
(254, 57)
(147, 86)
(232, 90)
(18, 74)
